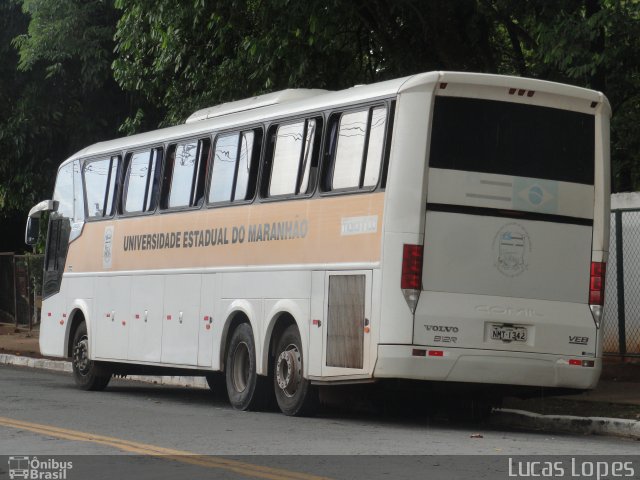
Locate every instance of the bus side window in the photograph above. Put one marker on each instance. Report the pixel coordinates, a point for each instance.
(69, 193)
(100, 177)
(234, 165)
(183, 183)
(294, 158)
(356, 149)
(142, 181)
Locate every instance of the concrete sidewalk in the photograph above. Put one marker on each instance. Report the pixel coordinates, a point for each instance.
(613, 408)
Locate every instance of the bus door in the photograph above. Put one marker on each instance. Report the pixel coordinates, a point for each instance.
(65, 224)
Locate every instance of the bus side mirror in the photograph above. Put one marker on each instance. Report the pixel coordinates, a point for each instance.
(33, 221)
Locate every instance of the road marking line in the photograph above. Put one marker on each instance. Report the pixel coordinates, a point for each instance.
(182, 456)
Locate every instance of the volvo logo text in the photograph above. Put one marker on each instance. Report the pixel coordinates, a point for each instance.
(441, 328)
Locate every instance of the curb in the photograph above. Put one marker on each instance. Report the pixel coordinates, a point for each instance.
(618, 427)
(64, 366)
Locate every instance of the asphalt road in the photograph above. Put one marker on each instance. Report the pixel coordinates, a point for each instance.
(147, 431)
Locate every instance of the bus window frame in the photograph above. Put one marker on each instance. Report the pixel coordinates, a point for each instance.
(128, 155)
(165, 186)
(328, 156)
(266, 160)
(258, 149)
(117, 186)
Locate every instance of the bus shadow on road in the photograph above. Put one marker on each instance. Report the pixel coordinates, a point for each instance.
(371, 403)
(168, 393)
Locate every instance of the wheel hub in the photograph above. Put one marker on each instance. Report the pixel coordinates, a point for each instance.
(81, 356)
(241, 367)
(288, 370)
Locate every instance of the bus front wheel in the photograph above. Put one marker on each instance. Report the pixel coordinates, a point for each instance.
(246, 390)
(87, 374)
(294, 393)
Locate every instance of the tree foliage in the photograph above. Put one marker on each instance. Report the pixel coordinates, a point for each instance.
(58, 89)
(189, 55)
(184, 56)
(590, 43)
(76, 71)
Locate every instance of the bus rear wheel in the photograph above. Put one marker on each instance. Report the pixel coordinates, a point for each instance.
(294, 393)
(87, 374)
(246, 390)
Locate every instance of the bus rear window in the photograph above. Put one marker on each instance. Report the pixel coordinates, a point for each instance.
(505, 138)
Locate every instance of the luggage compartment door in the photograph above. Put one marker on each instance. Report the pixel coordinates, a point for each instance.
(347, 323)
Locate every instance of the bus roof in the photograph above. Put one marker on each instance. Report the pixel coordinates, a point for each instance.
(293, 102)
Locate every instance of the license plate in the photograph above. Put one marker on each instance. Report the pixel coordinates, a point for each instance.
(508, 334)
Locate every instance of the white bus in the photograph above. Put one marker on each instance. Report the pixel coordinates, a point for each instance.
(443, 227)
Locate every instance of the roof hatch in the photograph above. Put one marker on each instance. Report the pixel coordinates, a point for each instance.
(283, 96)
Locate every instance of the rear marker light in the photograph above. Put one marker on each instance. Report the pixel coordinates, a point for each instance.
(443, 86)
(596, 284)
(596, 290)
(436, 353)
(419, 353)
(594, 104)
(411, 280)
(411, 267)
(521, 92)
(582, 363)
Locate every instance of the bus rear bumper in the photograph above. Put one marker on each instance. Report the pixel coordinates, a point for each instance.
(482, 366)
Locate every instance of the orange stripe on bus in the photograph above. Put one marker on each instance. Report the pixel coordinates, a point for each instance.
(344, 229)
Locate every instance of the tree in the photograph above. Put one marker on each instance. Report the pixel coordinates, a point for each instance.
(58, 91)
(187, 56)
(73, 72)
(590, 43)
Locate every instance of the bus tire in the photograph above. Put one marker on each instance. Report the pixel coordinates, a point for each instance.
(87, 374)
(217, 384)
(294, 393)
(246, 390)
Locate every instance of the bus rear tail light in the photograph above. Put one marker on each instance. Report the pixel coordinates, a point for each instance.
(596, 290)
(411, 281)
(582, 363)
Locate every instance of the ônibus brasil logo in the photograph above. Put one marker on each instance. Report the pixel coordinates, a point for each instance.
(35, 469)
